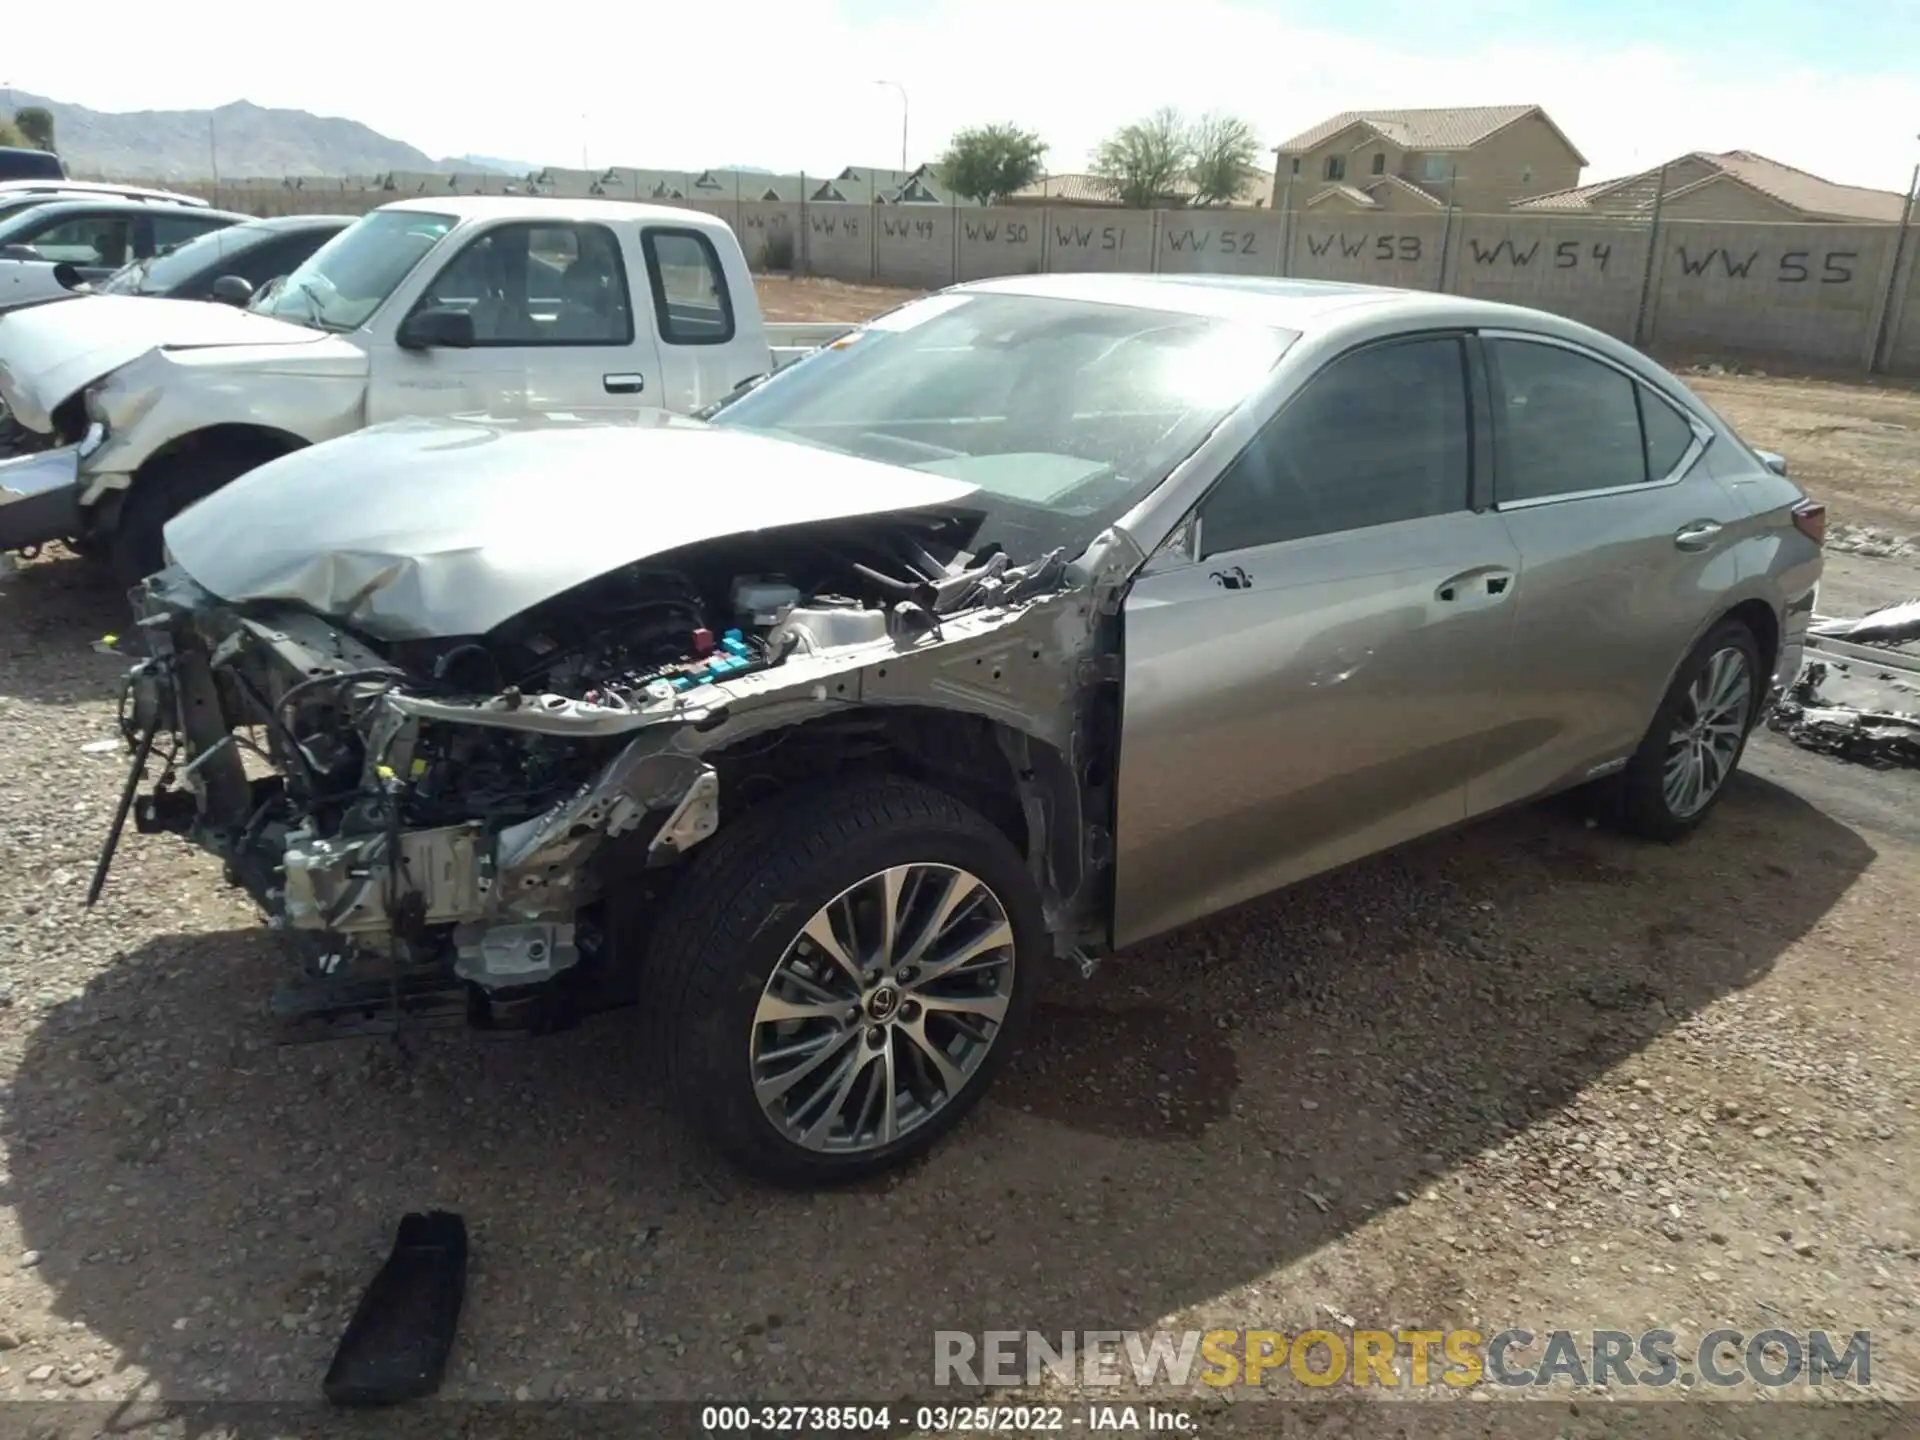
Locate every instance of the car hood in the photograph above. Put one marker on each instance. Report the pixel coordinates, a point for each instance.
(428, 528)
(49, 353)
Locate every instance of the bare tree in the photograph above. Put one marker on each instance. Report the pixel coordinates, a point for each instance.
(1225, 150)
(1147, 159)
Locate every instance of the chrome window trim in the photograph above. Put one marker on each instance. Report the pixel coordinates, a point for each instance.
(1703, 433)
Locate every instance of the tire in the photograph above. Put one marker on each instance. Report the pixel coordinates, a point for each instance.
(1646, 805)
(160, 492)
(736, 915)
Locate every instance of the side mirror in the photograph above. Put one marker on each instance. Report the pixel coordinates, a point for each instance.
(20, 252)
(1774, 462)
(67, 276)
(231, 290)
(438, 328)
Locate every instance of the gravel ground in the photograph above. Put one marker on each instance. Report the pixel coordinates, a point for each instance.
(1530, 1074)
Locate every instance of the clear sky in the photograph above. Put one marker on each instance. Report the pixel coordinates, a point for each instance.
(1833, 87)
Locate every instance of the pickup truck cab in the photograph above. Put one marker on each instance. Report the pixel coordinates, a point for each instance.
(132, 408)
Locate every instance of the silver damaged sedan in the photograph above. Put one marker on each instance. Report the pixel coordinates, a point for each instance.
(1033, 618)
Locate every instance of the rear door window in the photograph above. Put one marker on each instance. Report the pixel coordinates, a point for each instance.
(1568, 424)
(172, 230)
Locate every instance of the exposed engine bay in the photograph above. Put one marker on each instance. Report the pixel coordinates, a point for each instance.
(524, 776)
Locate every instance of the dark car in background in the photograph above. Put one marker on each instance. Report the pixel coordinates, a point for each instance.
(18, 163)
(247, 257)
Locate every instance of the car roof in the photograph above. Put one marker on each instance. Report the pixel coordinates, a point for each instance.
(85, 188)
(106, 204)
(489, 207)
(1305, 306)
(295, 222)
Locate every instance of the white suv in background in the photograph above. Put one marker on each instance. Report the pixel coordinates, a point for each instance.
(43, 190)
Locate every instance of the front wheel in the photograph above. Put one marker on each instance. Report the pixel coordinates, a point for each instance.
(1697, 737)
(136, 547)
(836, 979)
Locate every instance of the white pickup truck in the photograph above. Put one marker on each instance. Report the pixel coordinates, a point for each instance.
(131, 409)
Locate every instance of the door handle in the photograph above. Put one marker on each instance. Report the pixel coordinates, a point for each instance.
(624, 384)
(1698, 535)
(1491, 582)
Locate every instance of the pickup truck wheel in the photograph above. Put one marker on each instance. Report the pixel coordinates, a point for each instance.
(836, 978)
(1698, 734)
(162, 491)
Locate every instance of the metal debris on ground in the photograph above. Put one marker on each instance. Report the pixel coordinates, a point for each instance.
(1859, 699)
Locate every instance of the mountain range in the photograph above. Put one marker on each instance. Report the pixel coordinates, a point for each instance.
(236, 139)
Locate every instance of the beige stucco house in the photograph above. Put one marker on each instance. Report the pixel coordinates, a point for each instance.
(1482, 158)
(1728, 185)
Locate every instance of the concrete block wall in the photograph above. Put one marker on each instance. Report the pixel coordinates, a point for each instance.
(1810, 291)
(1845, 296)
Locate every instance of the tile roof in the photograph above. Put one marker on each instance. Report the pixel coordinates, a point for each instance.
(1797, 189)
(1402, 183)
(1368, 195)
(1353, 194)
(1805, 191)
(1071, 189)
(1450, 128)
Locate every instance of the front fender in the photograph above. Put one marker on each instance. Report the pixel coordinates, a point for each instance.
(154, 403)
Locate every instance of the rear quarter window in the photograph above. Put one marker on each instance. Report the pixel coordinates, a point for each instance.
(690, 298)
(1668, 434)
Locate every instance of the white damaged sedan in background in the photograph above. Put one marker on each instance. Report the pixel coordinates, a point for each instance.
(1039, 616)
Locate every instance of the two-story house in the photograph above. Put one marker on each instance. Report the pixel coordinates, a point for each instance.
(1481, 158)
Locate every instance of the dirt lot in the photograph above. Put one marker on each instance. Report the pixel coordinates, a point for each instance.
(1855, 446)
(1530, 1075)
(824, 300)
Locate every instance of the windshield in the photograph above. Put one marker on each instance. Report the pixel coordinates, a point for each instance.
(159, 274)
(348, 278)
(1064, 412)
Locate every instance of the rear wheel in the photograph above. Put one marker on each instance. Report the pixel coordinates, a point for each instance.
(161, 491)
(1697, 737)
(837, 978)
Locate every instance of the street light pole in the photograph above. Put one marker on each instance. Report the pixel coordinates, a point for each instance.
(904, 106)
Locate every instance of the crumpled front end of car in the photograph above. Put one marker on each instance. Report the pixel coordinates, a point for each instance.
(468, 808)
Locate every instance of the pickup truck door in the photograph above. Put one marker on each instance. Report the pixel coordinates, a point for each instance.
(558, 322)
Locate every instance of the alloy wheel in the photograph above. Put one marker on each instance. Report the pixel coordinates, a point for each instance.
(882, 1009)
(1708, 732)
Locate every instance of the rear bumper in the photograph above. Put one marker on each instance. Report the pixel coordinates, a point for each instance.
(39, 498)
(1793, 647)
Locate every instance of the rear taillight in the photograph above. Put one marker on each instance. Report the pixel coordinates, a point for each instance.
(1810, 519)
